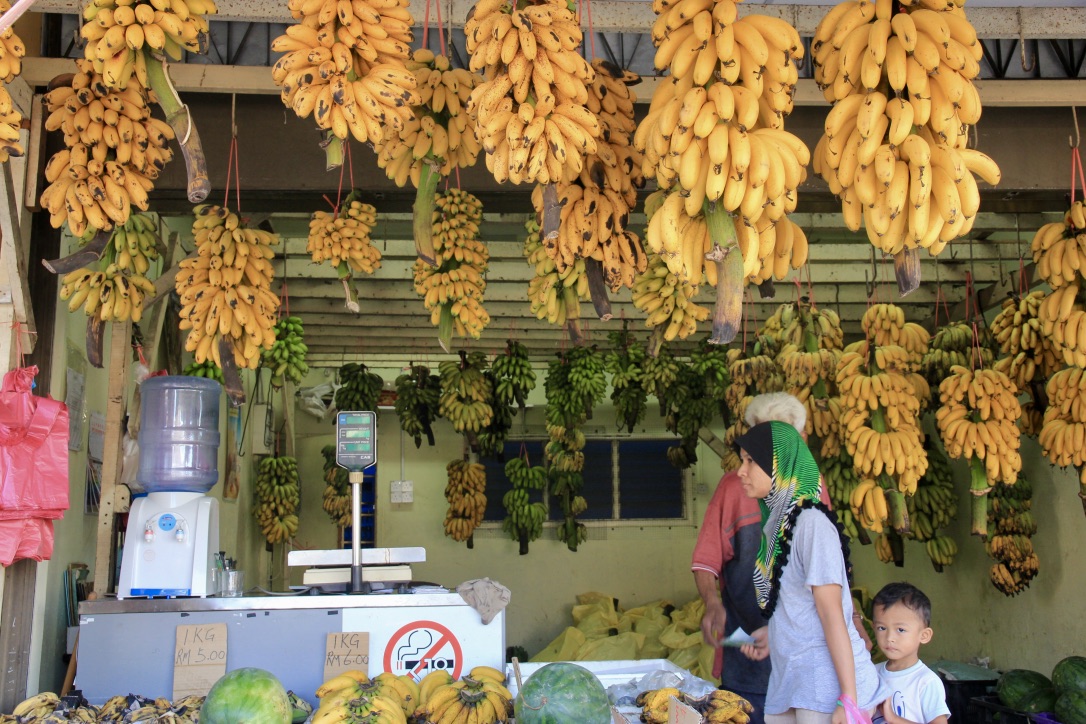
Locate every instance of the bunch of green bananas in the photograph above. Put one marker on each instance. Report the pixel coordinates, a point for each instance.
(1010, 526)
(207, 369)
(286, 358)
(337, 489)
(625, 362)
(466, 393)
(659, 372)
(514, 377)
(840, 478)
(359, 388)
(417, 395)
(953, 345)
(711, 362)
(688, 408)
(575, 384)
(934, 505)
(491, 439)
(524, 519)
(278, 493)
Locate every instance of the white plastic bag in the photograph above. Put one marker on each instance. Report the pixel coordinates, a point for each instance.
(311, 399)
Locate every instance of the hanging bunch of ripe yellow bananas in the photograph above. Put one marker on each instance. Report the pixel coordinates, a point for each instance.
(1056, 250)
(344, 63)
(1063, 437)
(714, 138)
(1028, 354)
(453, 289)
(344, 239)
(119, 34)
(440, 135)
(886, 325)
(596, 203)
(554, 295)
(536, 86)
(115, 291)
(978, 420)
(466, 493)
(667, 296)
(1011, 525)
(114, 151)
(894, 148)
(12, 50)
(226, 289)
(812, 340)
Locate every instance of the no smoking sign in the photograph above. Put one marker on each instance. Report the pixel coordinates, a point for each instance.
(420, 647)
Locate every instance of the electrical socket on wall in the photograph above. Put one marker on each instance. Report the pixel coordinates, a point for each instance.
(402, 491)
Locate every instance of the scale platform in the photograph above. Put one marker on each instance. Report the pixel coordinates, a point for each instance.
(330, 570)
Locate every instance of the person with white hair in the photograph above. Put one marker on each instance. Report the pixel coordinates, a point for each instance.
(724, 560)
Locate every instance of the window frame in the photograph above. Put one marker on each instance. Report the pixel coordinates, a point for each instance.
(615, 439)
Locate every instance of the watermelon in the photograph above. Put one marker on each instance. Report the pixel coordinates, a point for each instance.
(1070, 674)
(560, 693)
(247, 696)
(1024, 690)
(1071, 708)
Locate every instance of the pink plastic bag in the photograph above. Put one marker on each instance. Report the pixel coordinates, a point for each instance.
(26, 538)
(855, 715)
(33, 450)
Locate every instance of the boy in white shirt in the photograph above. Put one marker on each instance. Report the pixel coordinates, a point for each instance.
(902, 618)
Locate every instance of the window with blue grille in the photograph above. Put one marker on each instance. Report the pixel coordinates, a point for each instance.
(624, 479)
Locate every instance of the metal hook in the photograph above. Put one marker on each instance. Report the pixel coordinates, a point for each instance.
(999, 255)
(1022, 46)
(869, 285)
(1078, 137)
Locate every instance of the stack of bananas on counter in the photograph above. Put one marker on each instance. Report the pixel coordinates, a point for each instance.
(554, 295)
(47, 708)
(899, 161)
(440, 135)
(119, 33)
(839, 476)
(530, 113)
(207, 369)
(226, 289)
(513, 375)
(596, 204)
(337, 489)
(466, 493)
(523, 518)
(344, 63)
(353, 697)
(934, 506)
(625, 362)
(716, 706)
(113, 151)
(343, 238)
(453, 287)
(278, 493)
(466, 393)
(1010, 527)
(480, 696)
(12, 50)
(978, 420)
(117, 289)
(359, 388)
(1063, 436)
(417, 396)
(286, 358)
(668, 301)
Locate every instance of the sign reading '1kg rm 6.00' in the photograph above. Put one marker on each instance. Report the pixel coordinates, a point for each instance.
(356, 440)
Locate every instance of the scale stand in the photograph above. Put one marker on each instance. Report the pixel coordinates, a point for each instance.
(356, 450)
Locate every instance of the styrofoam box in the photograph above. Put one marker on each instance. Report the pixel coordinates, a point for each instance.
(608, 672)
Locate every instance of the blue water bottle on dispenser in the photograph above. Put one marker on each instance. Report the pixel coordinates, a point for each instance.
(173, 532)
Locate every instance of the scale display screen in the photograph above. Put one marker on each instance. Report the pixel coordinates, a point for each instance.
(356, 437)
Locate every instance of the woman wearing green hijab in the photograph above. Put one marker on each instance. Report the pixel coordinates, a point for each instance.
(819, 661)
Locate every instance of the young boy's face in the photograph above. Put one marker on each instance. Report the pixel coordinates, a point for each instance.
(899, 631)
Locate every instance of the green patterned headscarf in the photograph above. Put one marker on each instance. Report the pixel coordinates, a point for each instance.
(796, 483)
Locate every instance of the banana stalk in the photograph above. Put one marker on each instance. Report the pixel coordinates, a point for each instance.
(423, 214)
(979, 488)
(179, 118)
(573, 315)
(350, 299)
(235, 391)
(86, 255)
(728, 311)
(333, 151)
(597, 290)
(907, 270)
(445, 325)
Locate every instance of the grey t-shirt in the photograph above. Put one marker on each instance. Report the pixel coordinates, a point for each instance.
(803, 676)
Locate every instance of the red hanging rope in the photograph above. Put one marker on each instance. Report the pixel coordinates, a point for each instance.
(440, 29)
(591, 32)
(233, 173)
(810, 285)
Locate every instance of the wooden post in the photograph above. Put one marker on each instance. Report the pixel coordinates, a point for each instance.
(120, 352)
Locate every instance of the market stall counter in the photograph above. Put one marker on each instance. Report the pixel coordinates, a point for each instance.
(159, 647)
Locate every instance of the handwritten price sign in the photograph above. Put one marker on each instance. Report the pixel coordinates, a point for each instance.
(199, 658)
(346, 652)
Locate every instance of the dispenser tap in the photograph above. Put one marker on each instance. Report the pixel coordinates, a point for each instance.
(180, 534)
